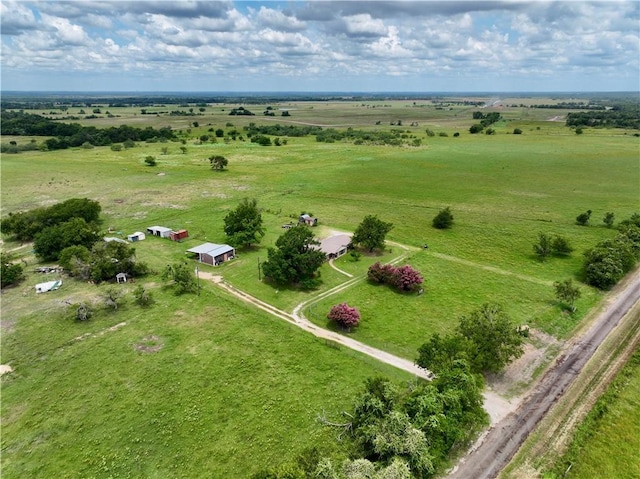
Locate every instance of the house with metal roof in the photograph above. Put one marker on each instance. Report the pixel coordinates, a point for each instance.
(335, 246)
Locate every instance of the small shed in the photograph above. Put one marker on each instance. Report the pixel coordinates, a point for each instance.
(48, 286)
(121, 278)
(213, 254)
(159, 231)
(308, 220)
(335, 246)
(178, 235)
(137, 236)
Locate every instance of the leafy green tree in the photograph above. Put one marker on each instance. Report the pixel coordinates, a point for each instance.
(183, 277)
(371, 233)
(444, 219)
(295, 259)
(440, 353)
(608, 219)
(243, 226)
(110, 258)
(11, 272)
(496, 341)
(543, 247)
(583, 218)
(476, 128)
(567, 292)
(143, 296)
(52, 240)
(560, 246)
(218, 162)
(151, 160)
(76, 260)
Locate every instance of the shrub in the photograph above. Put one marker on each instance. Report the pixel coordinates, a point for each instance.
(444, 219)
(583, 218)
(517, 131)
(381, 274)
(344, 316)
(151, 160)
(407, 279)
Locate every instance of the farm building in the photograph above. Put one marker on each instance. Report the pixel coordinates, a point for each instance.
(178, 235)
(137, 236)
(213, 254)
(308, 220)
(335, 246)
(159, 231)
(48, 286)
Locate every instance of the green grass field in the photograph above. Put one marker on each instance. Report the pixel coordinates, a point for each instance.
(233, 389)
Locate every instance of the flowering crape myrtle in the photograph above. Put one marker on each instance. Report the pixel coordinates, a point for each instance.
(404, 278)
(344, 315)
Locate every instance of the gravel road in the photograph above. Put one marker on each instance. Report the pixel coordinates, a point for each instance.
(504, 439)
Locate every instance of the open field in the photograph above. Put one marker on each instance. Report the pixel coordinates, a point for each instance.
(232, 389)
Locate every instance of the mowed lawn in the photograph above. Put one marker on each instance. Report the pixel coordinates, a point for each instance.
(233, 389)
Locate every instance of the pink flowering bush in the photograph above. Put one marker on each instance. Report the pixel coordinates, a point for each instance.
(404, 278)
(344, 315)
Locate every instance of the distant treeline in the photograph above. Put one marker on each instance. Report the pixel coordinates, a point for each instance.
(282, 130)
(67, 135)
(622, 118)
(570, 105)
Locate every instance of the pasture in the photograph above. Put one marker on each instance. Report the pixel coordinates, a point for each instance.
(233, 389)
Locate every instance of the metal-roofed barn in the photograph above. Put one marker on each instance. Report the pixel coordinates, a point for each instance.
(213, 254)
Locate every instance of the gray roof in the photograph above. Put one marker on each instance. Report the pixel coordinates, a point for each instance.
(333, 244)
(211, 249)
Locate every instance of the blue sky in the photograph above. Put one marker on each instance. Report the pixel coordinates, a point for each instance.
(413, 46)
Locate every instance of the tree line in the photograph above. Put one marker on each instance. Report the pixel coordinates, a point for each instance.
(68, 135)
(622, 118)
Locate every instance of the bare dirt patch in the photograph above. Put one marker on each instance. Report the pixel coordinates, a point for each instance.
(4, 369)
(7, 325)
(149, 344)
(540, 349)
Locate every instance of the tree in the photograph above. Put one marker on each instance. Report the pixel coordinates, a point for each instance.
(182, 276)
(111, 297)
(543, 247)
(143, 296)
(113, 257)
(560, 246)
(371, 233)
(219, 133)
(76, 260)
(243, 226)
(517, 131)
(444, 219)
(439, 353)
(344, 316)
(477, 128)
(52, 240)
(218, 162)
(11, 272)
(150, 160)
(608, 219)
(496, 341)
(567, 292)
(583, 218)
(295, 259)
